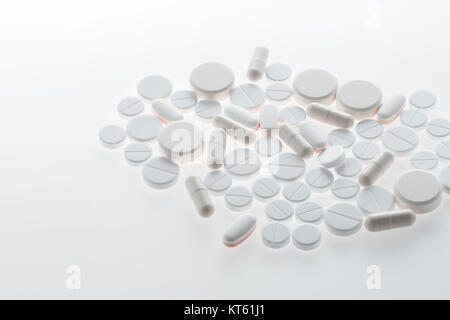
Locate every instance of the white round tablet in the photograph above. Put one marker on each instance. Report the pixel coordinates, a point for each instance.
(144, 128)
(400, 140)
(160, 172)
(413, 118)
(369, 129)
(424, 160)
(332, 157)
(306, 237)
(275, 235)
(439, 127)
(315, 85)
(278, 72)
(419, 191)
(341, 137)
(443, 150)
(154, 87)
(242, 162)
(279, 210)
(184, 99)
(287, 166)
(365, 150)
(309, 212)
(278, 91)
(375, 199)
(343, 219)
(422, 99)
(130, 106)
(265, 188)
(248, 96)
(137, 153)
(218, 181)
(350, 168)
(212, 80)
(360, 98)
(238, 198)
(112, 136)
(208, 109)
(292, 115)
(296, 192)
(319, 178)
(268, 146)
(445, 179)
(345, 188)
(181, 141)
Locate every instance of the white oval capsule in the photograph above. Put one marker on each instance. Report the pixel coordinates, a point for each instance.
(239, 231)
(234, 129)
(389, 220)
(391, 108)
(313, 135)
(217, 146)
(241, 115)
(257, 66)
(166, 111)
(200, 196)
(376, 169)
(329, 115)
(268, 118)
(294, 140)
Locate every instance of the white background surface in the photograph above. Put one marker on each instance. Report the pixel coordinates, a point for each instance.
(65, 200)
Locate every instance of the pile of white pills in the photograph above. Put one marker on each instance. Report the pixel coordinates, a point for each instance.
(292, 137)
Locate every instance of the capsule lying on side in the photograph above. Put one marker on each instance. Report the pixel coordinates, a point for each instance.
(294, 140)
(389, 220)
(234, 129)
(376, 169)
(239, 231)
(313, 135)
(391, 108)
(330, 116)
(200, 196)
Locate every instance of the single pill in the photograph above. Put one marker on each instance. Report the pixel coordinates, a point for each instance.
(241, 115)
(296, 192)
(294, 140)
(266, 188)
(360, 98)
(258, 63)
(268, 146)
(400, 140)
(309, 212)
(376, 169)
(306, 237)
(137, 153)
(112, 136)
(313, 135)
(375, 199)
(287, 166)
(424, 160)
(181, 141)
(349, 168)
(345, 188)
(389, 220)
(365, 150)
(166, 110)
(275, 235)
(200, 196)
(439, 127)
(130, 106)
(279, 210)
(422, 99)
(160, 172)
(218, 181)
(341, 137)
(239, 231)
(212, 80)
(208, 109)
(242, 162)
(319, 178)
(315, 85)
(330, 116)
(234, 129)
(268, 118)
(184, 99)
(443, 150)
(292, 115)
(154, 87)
(343, 219)
(391, 108)
(418, 191)
(278, 91)
(332, 157)
(445, 179)
(238, 198)
(278, 72)
(144, 128)
(413, 118)
(217, 146)
(369, 129)
(248, 96)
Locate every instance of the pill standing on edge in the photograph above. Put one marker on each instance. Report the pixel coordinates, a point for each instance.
(313, 135)
(389, 220)
(376, 169)
(200, 196)
(257, 66)
(239, 231)
(294, 140)
(330, 116)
